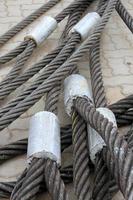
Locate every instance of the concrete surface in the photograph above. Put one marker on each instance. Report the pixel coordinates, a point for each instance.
(116, 59)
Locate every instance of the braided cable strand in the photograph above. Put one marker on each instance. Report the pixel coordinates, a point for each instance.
(118, 147)
(126, 17)
(60, 73)
(13, 31)
(80, 158)
(20, 61)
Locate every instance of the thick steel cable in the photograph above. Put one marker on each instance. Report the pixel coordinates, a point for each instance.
(7, 187)
(19, 63)
(60, 73)
(54, 183)
(81, 174)
(13, 31)
(117, 146)
(13, 53)
(126, 17)
(16, 82)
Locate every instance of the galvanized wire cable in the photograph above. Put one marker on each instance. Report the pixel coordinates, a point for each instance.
(116, 145)
(28, 20)
(124, 14)
(60, 73)
(81, 170)
(19, 63)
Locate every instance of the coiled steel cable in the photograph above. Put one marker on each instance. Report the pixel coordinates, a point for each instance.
(60, 73)
(19, 63)
(126, 17)
(13, 31)
(116, 145)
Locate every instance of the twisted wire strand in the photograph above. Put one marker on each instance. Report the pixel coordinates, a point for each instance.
(61, 58)
(19, 63)
(80, 158)
(7, 187)
(102, 178)
(75, 17)
(28, 186)
(29, 73)
(126, 17)
(60, 73)
(13, 53)
(28, 20)
(123, 110)
(98, 90)
(116, 144)
(69, 10)
(54, 183)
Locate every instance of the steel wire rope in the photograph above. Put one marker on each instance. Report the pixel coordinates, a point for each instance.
(6, 84)
(60, 73)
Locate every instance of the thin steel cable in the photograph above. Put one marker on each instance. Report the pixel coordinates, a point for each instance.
(117, 146)
(81, 160)
(60, 73)
(126, 17)
(19, 63)
(28, 20)
(102, 177)
(74, 18)
(13, 53)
